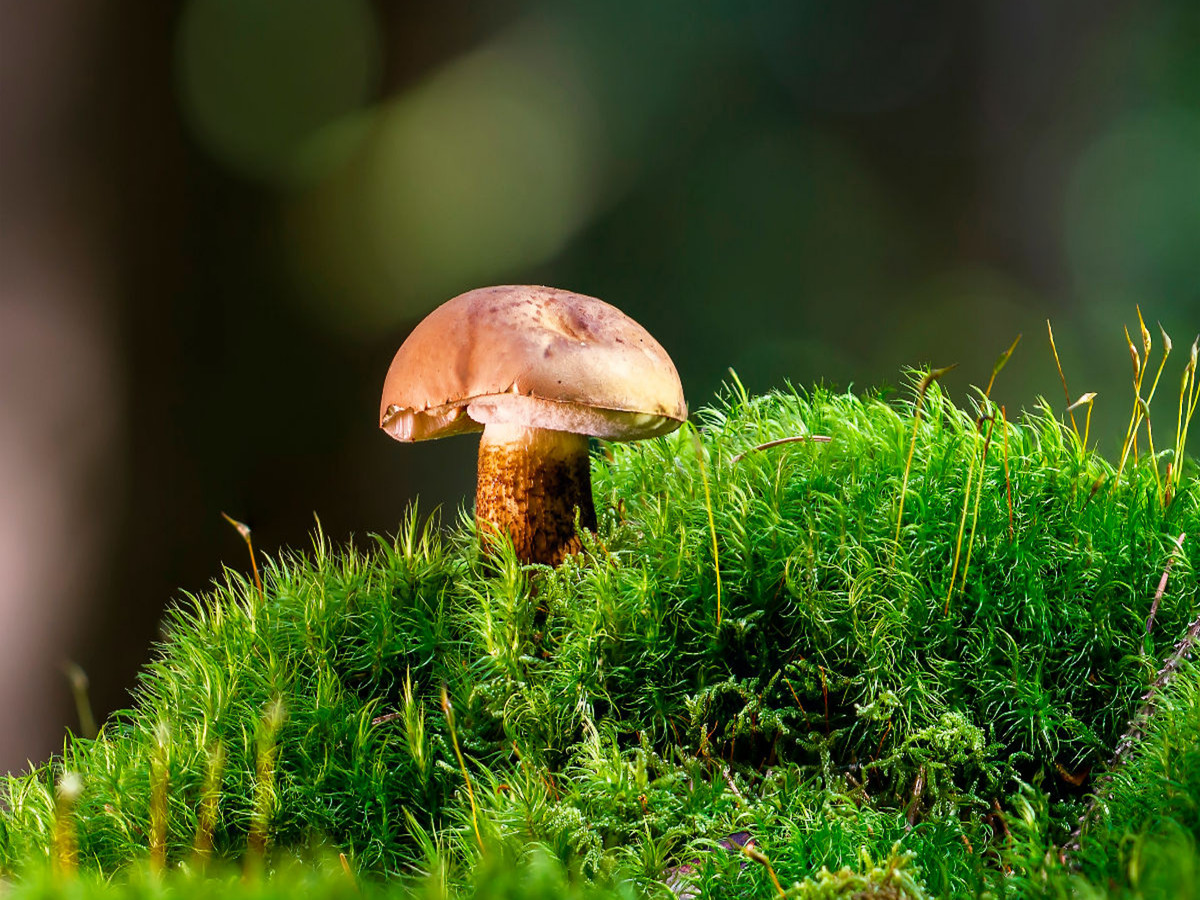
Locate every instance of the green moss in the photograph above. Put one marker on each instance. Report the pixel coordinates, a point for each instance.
(876, 715)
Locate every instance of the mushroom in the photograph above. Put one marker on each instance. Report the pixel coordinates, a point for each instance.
(537, 370)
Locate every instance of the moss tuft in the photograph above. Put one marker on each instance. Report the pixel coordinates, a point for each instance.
(906, 683)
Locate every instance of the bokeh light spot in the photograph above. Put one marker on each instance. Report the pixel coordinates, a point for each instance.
(1132, 214)
(257, 78)
(487, 167)
(855, 56)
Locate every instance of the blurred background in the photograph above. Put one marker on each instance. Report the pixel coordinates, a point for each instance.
(220, 218)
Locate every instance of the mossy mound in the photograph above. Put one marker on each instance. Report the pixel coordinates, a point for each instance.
(910, 697)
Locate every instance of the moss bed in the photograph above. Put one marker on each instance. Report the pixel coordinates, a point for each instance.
(810, 669)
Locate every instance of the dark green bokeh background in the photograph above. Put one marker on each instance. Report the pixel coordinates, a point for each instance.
(802, 191)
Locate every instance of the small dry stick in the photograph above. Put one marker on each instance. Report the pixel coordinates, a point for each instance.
(999, 816)
(1162, 584)
(244, 530)
(1183, 649)
(1135, 732)
(732, 786)
(918, 791)
(1062, 377)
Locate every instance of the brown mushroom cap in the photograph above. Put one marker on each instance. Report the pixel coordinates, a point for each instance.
(532, 356)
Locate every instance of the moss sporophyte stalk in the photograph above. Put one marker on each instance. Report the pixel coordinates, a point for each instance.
(868, 719)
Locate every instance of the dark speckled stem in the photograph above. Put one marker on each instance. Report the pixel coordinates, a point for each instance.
(531, 481)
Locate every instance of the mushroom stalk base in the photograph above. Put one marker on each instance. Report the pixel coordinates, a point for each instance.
(531, 481)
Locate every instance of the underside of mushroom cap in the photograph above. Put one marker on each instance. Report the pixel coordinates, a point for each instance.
(532, 356)
(530, 412)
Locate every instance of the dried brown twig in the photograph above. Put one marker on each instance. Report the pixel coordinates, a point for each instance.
(1137, 724)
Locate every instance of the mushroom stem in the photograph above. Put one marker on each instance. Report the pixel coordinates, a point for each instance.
(531, 480)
